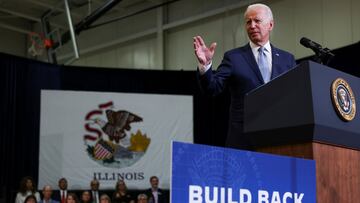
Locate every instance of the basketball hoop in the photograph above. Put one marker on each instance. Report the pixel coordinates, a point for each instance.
(48, 43)
(38, 43)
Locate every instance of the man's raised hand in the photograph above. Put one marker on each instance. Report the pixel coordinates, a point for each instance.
(202, 52)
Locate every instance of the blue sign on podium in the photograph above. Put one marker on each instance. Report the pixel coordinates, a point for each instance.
(208, 174)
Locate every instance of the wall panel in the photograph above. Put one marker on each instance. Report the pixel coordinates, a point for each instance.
(13, 42)
(331, 23)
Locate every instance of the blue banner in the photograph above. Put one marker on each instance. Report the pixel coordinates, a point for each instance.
(208, 174)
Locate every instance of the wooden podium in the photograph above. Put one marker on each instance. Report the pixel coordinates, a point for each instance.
(295, 115)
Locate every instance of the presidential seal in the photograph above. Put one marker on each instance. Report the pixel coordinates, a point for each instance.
(343, 99)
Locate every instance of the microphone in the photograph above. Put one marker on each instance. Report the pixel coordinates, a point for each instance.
(310, 44)
(323, 55)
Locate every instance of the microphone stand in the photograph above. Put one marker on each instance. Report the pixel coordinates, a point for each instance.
(323, 55)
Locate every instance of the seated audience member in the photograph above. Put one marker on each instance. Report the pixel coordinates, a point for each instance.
(47, 193)
(121, 194)
(86, 197)
(72, 198)
(61, 194)
(27, 187)
(30, 199)
(142, 198)
(105, 199)
(155, 194)
(95, 194)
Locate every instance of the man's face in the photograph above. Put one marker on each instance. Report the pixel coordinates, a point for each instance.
(154, 182)
(258, 25)
(94, 185)
(47, 192)
(62, 184)
(85, 196)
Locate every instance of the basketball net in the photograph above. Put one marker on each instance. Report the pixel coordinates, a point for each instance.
(38, 43)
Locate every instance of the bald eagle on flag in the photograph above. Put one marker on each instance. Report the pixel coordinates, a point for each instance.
(118, 122)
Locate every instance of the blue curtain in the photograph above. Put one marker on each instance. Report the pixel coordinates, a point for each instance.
(21, 81)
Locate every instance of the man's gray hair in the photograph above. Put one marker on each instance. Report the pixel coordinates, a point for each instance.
(47, 187)
(105, 196)
(263, 6)
(142, 195)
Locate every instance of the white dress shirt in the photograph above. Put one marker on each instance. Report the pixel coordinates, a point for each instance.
(95, 195)
(155, 194)
(267, 51)
(63, 193)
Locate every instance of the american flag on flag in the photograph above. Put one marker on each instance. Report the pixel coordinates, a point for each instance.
(103, 150)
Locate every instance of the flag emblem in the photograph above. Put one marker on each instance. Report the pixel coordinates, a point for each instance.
(103, 150)
(109, 139)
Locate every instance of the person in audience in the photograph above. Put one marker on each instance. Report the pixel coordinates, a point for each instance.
(47, 193)
(94, 185)
(142, 198)
(121, 194)
(155, 194)
(27, 187)
(105, 199)
(61, 195)
(30, 199)
(72, 198)
(86, 197)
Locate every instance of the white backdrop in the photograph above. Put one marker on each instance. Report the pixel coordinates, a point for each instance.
(75, 137)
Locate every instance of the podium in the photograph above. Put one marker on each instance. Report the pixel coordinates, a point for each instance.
(296, 115)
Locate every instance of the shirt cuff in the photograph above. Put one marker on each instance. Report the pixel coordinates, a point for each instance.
(204, 68)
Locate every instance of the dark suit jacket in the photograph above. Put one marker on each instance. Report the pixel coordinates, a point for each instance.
(56, 195)
(240, 73)
(162, 195)
(100, 192)
(51, 201)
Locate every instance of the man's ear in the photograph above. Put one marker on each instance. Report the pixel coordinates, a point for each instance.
(271, 25)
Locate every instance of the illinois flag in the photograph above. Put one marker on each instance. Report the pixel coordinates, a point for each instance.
(110, 136)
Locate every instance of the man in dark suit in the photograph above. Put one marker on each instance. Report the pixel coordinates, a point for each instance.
(155, 194)
(243, 69)
(95, 194)
(62, 193)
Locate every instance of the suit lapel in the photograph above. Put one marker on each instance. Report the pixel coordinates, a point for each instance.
(275, 62)
(249, 56)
